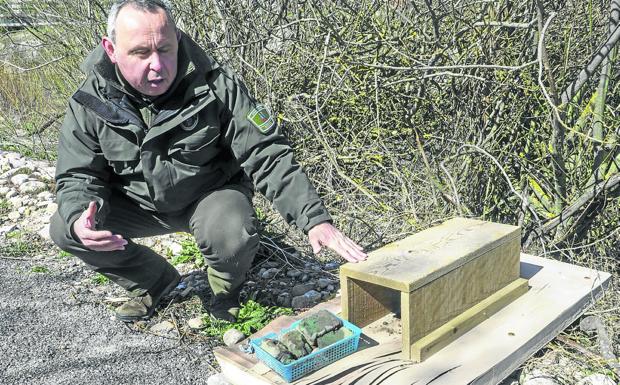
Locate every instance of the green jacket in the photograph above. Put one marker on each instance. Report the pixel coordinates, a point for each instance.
(197, 137)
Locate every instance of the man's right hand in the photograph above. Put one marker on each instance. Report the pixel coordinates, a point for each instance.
(84, 229)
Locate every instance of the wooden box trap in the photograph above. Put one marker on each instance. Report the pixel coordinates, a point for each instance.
(442, 281)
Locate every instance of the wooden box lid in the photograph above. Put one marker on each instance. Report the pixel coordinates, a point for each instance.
(412, 262)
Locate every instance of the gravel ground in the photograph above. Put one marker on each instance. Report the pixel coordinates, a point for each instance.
(55, 331)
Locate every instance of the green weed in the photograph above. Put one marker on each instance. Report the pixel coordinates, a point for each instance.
(63, 255)
(252, 317)
(40, 269)
(190, 253)
(5, 207)
(100, 279)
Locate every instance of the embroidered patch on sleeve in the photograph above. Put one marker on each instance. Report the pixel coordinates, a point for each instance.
(260, 117)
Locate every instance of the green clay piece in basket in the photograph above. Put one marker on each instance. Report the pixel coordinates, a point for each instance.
(296, 343)
(318, 324)
(333, 337)
(277, 350)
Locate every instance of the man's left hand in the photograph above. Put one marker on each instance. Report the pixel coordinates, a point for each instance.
(325, 234)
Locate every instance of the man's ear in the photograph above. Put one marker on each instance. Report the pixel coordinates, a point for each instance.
(109, 48)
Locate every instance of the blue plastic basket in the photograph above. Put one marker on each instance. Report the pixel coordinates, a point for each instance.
(312, 361)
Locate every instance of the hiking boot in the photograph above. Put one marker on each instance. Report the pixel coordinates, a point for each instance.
(140, 307)
(225, 307)
(142, 304)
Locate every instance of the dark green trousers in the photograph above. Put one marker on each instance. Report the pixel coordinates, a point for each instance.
(222, 222)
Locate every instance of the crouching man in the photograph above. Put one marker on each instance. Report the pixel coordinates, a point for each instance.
(159, 138)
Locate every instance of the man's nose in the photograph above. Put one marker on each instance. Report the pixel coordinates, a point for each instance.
(155, 62)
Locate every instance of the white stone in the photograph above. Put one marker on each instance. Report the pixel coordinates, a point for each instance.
(45, 232)
(22, 210)
(9, 173)
(174, 248)
(16, 201)
(12, 193)
(48, 171)
(19, 179)
(218, 379)
(162, 328)
(233, 337)
(32, 187)
(597, 379)
(195, 323)
(14, 215)
(4, 190)
(4, 164)
(538, 377)
(51, 208)
(17, 162)
(45, 196)
(7, 228)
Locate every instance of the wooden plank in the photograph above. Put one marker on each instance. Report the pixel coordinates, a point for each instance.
(559, 293)
(423, 348)
(448, 296)
(421, 258)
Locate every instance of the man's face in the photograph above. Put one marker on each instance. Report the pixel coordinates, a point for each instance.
(145, 50)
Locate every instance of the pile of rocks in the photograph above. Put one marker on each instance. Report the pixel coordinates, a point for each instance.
(26, 191)
(297, 287)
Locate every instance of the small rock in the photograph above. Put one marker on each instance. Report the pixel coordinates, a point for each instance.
(330, 288)
(4, 190)
(284, 299)
(322, 283)
(163, 327)
(12, 193)
(22, 210)
(7, 229)
(300, 302)
(32, 187)
(45, 196)
(45, 232)
(174, 248)
(305, 278)
(250, 283)
(218, 379)
(233, 337)
(332, 265)
(597, 379)
(538, 377)
(311, 298)
(293, 273)
(19, 179)
(195, 323)
(271, 273)
(16, 201)
(301, 289)
(11, 172)
(325, 295)
(14, 215)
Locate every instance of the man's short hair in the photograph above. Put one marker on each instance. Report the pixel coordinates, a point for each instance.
(147, 5)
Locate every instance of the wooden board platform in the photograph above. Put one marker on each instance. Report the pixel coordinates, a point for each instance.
(559, 293)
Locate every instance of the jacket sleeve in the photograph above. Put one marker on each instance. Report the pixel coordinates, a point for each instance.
(82, 172)
(267, 157)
